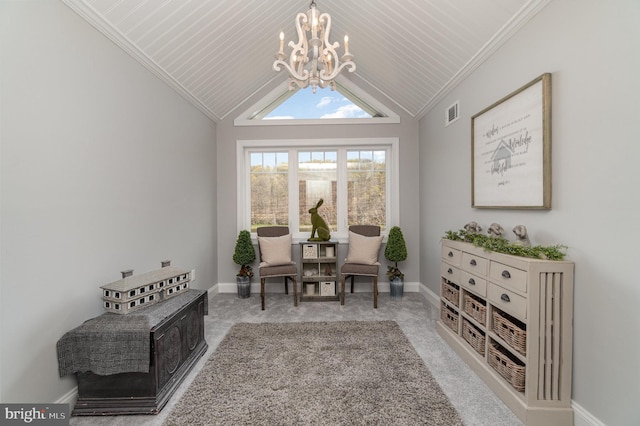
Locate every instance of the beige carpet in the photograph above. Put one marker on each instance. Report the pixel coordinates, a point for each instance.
(314, 373)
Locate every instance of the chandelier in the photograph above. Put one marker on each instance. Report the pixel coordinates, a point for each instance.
(313, 60)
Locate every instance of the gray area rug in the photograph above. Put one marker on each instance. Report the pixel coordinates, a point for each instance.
(312, 373)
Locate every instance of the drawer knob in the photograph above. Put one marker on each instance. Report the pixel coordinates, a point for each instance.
(450, 271)
(473, 262)
(505, 297)
(506, 274)
(450, 254)
(472, 281)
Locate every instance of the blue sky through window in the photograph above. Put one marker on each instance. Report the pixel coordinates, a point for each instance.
(305, 104)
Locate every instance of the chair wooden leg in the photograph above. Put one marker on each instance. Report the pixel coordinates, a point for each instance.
(262, 292)
(295, 291)
(286, 285)
(342, 290)
(352, 278)
(375, 292)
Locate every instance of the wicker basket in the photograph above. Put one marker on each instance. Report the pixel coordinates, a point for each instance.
(473, 336)
(449, 316)
(507, 366)
(475, 308)
(510, 330)
(451, 292)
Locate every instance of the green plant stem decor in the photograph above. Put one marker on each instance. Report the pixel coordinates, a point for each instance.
(501, 245)
(244, 254)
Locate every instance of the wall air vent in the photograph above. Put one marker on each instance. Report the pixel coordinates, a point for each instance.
(452, 113)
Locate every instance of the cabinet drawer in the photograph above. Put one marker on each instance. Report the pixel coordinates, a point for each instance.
(450, 272)
(473, 283)
(474, 264)
(451, 255)
(507, 300)
(508, 276)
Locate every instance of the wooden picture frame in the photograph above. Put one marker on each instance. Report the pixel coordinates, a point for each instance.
(511, 150)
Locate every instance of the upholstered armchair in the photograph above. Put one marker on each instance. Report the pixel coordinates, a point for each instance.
(362, 259)
(274, 243)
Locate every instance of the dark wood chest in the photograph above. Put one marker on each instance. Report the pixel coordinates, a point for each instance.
(177, 342)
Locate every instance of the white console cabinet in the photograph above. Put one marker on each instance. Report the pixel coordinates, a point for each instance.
(511, 320)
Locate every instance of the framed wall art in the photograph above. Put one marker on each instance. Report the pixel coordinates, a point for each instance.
(511, 150)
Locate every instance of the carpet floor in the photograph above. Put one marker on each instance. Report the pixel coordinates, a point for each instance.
(313, 373)
(414, 313)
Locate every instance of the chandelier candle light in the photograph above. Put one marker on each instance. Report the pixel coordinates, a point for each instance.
(313, 60)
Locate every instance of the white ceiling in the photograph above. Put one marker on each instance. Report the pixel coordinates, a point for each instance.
(217, 53)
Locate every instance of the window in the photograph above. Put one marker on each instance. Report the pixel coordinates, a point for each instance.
(269, 172)
(366, 180)
(317, 179)
(324, 104)
(348, 104)
(279, 181)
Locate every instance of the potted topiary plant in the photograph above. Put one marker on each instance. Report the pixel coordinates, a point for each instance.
(395, 251)
(244, 255)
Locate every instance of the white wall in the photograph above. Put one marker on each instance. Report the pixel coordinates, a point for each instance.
(592, 48)
(104, 168)
(228, 134)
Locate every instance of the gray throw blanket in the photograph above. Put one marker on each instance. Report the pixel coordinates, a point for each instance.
(113, 343)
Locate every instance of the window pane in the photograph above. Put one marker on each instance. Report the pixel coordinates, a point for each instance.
(366, 198)
(317, 178)
(325, 103)
(362, 197)
(269, 189)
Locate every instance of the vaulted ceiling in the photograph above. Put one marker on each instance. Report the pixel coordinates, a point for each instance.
(217, 53)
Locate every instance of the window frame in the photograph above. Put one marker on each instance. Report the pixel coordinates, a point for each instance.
(348, 89)
(244, 148)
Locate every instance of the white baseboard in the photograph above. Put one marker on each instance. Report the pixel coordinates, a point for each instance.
(582, 417)
(433, 298)
(69, 398)
(233, 287)
(277, 287)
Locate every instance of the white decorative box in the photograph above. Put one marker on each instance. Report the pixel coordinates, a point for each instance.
(327, 288)
(310, 251)
(310, 289)
(134, 292)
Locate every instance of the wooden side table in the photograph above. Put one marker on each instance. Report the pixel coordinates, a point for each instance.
(319, 270)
